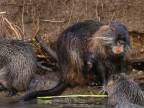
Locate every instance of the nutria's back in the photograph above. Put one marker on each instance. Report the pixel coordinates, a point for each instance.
(18, 62)
(122, 89)
(128, 105)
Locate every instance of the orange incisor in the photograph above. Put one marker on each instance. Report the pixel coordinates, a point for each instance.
(117, 49)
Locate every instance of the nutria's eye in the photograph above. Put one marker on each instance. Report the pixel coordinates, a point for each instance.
(115, 77)
(120, 42)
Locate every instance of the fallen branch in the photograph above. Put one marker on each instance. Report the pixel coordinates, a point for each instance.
(133, 60)
(52, 21)
(137, 63)
(13, 28)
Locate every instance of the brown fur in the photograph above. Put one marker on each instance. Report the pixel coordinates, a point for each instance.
(95, 42)
(81, 38)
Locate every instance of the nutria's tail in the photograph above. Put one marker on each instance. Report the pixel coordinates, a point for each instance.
(51, 92)
(46, 48)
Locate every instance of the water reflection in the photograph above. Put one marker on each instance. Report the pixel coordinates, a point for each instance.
(35, 105)
(11, 103)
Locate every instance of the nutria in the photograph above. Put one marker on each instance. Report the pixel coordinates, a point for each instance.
(18, 65)
(88, 46)
(124, 92)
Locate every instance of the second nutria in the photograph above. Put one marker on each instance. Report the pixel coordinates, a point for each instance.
(124, 92)
(17, 64)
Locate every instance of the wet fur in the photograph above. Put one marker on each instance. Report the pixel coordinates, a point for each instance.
(123, 90)
(17, 64)
(88, 37)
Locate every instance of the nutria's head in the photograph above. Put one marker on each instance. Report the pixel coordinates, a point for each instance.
(111, 40)
(114, 81)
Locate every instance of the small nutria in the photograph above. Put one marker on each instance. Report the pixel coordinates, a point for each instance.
(88, 46)
(124, 92)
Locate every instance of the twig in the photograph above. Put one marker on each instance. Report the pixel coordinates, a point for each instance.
(40, 56)
(73, 96)
(102, 5)
(53, 21)
(11, 26)
(71, 13)
(113, 15)
(23, 18)
(86, 8)
(2, 13)
(36, 27)
(19, 29)
(97, 15)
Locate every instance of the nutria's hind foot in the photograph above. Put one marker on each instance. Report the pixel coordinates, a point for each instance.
(2, 87)
(10, 93)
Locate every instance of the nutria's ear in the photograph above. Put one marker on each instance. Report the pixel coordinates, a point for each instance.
(115, 77)
(45, 47)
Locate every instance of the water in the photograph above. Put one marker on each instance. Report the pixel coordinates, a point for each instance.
(35, 105)
(11, 103)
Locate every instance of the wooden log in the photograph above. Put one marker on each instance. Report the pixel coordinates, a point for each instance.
(137, 63)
